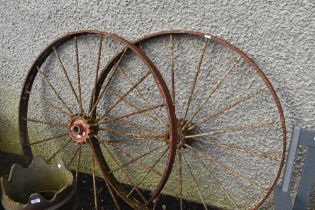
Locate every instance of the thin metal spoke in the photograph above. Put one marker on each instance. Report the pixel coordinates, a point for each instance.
(94, 182)
(195, 181)
(111, 75)
(59, 150)
(124, 171)
(147, 109)
(213, 90)
(98, 59)
(46, 123)
(137, 158)
(128, 91)
(235, 129)
(78, 75)
(78, 163)
(134, 135)
(229, 106)
(219, 183)
(226, 168)
(140, 95)
(131, 158)
(66, 75)
(74, 155)
(98, 63)
(180, 180)
(172, 70)
(49, 105)
(48, 139)
(147, 173)
(54, 90)
(247, 151)
(112, 194)
(198, 68)
(132, 105)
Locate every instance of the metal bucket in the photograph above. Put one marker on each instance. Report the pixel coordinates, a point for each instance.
(41, 186)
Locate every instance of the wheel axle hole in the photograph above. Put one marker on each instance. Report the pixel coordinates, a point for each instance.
(76, 130)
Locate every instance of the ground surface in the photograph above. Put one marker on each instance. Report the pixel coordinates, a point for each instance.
(86, 191)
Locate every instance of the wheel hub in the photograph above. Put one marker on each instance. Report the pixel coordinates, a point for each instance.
(81, 128)
(182, 132)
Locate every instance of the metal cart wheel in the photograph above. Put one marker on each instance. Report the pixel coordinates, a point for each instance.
(231, 128)
(63, 112)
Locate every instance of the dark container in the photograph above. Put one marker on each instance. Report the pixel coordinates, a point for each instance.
(41, 186)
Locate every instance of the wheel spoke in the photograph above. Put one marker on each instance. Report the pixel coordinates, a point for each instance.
(112, 194)
(172, 70)
(224, 108)
(198, 68)
(54, 90)
(132, 105)
(226, 168)
(134, 135)
(49, 105)
(111, 75)
(124, 171)
(195, 182)
(235, 129)
(247, 151)
(213, 90)
(219, 183)
(74, 155)
(131, 158)
(78, 163)
(109, 187)
(46, 123)
(137, 158)
(78, 75)
(94, 182)
(128, 91)
(98, 64)
(141, 96)
(47, 139)
(180, 180)
(147, 173)
(66, 75)
(59, 150)
(129, 114)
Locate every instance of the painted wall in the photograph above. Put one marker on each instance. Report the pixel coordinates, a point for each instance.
(278, 35)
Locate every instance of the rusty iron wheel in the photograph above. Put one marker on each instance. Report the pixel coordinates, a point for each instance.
(64, 111)
(231, 128)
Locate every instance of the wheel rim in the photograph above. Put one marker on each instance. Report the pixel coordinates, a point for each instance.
(166, 49)
(47, 107)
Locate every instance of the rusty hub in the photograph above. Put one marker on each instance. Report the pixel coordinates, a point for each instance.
(182, 132)
(81, 127)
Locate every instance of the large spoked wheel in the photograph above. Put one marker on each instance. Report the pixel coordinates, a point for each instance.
(63, 112)
(231, 129)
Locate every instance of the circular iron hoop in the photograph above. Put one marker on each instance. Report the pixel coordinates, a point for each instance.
(258, 71)
(110, 180)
